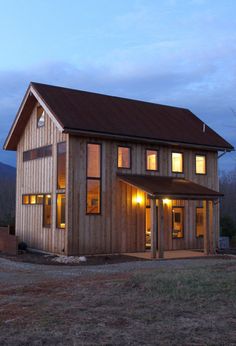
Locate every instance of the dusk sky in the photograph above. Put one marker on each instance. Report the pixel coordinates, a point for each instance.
(180, 53)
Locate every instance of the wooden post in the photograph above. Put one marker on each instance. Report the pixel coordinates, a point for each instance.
(153, 228)
(213, 227)
(160, 229)
(207, 228)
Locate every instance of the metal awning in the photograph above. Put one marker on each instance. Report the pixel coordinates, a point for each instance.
(169, 187)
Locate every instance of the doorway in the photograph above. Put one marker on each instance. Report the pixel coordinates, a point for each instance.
(148, 224)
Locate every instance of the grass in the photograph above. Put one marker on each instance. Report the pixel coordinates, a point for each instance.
(188, 303)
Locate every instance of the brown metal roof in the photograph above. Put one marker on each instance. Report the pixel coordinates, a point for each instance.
(81, 111)
(169, 187)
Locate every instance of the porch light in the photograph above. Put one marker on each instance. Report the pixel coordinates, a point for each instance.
(166, 201)
(139, 199)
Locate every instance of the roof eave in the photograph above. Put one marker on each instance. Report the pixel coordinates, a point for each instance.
(143, 139)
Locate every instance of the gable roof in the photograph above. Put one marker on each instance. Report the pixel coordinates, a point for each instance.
(77, 111)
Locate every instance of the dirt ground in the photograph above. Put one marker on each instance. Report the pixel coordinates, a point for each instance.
(180, 302)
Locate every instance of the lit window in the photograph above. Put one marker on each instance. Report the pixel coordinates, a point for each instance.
(178, 222)
(93, 179)
(200, 164)
(61, 209)
(47, 211)
(199, 222)
(39, 199)
(151, 160)
(25, 199)
(177, 162)
(40, 116)
(93, 196)
(93, 160)
(32, 199)
(123, 157)
(61, 165)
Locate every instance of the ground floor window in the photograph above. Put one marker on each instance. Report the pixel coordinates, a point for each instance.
(177, 222)
(32, 199)
(61, 208)
(199, 222)
(93, 196)
(47, 211)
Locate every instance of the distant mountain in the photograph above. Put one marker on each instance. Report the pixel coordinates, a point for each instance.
(7, 194)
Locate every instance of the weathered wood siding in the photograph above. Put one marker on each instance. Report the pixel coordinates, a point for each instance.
(38, 176)
(121, 225)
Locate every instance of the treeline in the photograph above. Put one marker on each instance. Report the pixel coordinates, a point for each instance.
(228, 203)
(7, 194)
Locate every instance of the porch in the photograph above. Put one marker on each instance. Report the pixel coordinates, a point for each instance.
(162, 193)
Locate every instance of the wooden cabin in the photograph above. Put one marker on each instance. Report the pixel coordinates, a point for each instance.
(103, 174)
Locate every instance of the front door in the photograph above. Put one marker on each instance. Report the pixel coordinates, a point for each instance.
(148, 225)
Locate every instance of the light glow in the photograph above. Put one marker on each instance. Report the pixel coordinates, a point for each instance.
(166, 201)
(139, 199)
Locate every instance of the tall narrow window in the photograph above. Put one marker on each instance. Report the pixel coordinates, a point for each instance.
(61, 165)
(199, 222)
(61, 208)
(40, 116)
(200, 164)
(151, 160)
(93, 178)
(124, 160)
(177, 222)
(177, 162)
(47, 210)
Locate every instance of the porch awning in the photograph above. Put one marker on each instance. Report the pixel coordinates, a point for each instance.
(171, 187)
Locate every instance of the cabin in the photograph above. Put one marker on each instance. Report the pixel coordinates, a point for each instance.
(99, 174)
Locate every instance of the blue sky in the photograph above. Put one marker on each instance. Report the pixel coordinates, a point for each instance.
(175, 52)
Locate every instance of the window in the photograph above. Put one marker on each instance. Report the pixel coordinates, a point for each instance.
(200, 164)
(151, 160)
(25, 199)
(124, 157)
(177, 162)
(37, 153)
(32, 199)
(61, 165)
(47, 210)
(61, 208)
(199, 222)
(93, 178)
(177, 222)
(40, 116)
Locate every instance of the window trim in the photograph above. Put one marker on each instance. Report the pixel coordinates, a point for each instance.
(94, 178)
(199, 154)
(172, 227)
(151, 170)
(198, 236)
(177, 152)
(130, 156)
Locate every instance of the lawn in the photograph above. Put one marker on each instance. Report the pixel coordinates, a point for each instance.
(182, 302)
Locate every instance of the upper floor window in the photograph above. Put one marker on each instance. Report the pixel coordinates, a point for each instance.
(200, 164)
(124, 159)
(199, 222)
(177, 162)
(37, 153)
(151, 160)
(177, 222)
(61, 165)
(40, 116)
(93, 186)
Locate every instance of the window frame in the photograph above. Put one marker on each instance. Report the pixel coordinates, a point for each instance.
(177, 152)
(94, 178)
(57, 227)
(130, 156)
(61, 188)
(199, 236)
(172, 228)
(204, 155)
(146, 160)
(43, 225)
